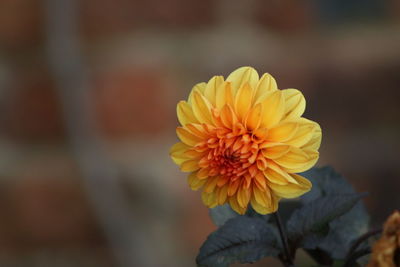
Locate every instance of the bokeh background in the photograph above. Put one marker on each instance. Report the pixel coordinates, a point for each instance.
(87, 114)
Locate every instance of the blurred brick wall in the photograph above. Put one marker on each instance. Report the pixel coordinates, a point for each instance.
(143, 57)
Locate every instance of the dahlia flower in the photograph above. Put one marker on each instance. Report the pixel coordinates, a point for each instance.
(243, 140)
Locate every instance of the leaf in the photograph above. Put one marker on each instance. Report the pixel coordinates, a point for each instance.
(221, 214)
(241, 239)
(326, 181)
(311, 222)
(345, 229)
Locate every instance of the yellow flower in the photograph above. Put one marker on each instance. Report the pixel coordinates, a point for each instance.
(243, 140)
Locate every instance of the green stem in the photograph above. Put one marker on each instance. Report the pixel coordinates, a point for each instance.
(288, 261)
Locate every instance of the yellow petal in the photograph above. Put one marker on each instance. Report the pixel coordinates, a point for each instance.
(210, 91)
(209, 199)
(273, 109)
(271, 207)
(295, 103)
(315, 141)
(253, 118)
(224, 95)
(262, 197)
(241, 76)
(200, 87)
(243, 196)
(177, 153)
(273, 166)
(283, 132)
(201, 108)
(197, 129)
(222, 194)
(210, 184)
(228, 117)
(298, 160)
(194, 182)
(292, 190)
(243, 101)
(185, 113)
(187, 137)
(235, 205)
(274, 150)
(265, 85)
(190, 165)
(303, 135)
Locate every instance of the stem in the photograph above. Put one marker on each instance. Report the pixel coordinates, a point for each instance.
(288, 261)
(353, 249)
(355, 256)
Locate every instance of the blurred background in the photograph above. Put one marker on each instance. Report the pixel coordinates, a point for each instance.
(88, 91)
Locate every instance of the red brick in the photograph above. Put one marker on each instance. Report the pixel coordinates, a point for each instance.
(129, 102)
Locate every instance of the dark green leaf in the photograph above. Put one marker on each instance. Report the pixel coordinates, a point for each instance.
(343, 230)
(241, 239)
(221, 214)
(311, 222)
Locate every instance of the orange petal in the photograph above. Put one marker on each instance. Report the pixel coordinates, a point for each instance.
(190, 165)
(186, 137)
(253, 118)
(194, 182)
(228, 117)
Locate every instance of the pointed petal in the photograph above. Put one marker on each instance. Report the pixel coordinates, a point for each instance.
(209, 199)
(224, 95)
(273, 109)
(185, 113)
(235, 205)
(303, 135)
(187, 137)
(275, 150)
(241, 76)
(190, 165)
(292, 190)
(243, 101)
(200, 87)
(210, 91)
(201, 108)
(295, 103)
(298, 160)
(265, 85)
(194, 182)
(177, 153)
(222, 195)
(282, 132)
(228, 117)
(253, 119)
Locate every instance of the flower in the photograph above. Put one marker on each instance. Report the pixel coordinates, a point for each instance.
(243, 140)
(385, 249)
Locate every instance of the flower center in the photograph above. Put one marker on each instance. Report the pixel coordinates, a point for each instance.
(231, 156)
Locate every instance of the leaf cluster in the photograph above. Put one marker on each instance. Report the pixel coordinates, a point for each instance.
(324, 222)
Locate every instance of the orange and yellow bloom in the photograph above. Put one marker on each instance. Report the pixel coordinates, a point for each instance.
(243, 140)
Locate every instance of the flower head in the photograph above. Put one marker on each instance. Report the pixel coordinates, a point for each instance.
(243, 140)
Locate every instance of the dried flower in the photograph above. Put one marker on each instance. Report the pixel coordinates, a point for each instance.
(243, 140)
(384, 250)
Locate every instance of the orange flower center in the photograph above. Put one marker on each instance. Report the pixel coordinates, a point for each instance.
(231, 157)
